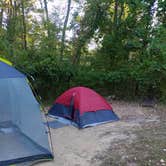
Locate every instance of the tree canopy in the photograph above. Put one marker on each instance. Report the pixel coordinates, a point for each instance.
(128, 58)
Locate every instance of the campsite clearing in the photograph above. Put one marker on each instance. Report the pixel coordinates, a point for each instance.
(139, 138)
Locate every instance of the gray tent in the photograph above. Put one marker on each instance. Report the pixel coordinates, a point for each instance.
(23, 136)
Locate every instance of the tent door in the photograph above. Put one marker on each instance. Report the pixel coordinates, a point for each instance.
(72, 107)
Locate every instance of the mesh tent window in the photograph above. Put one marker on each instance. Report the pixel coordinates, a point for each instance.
(23, 135)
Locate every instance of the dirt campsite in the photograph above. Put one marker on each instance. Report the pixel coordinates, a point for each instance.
(138, 138)
(98, 67)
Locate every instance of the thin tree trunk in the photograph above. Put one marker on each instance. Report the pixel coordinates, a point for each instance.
(47, 18)
(41, 3)
(10, 32)
(115, 15)
(1, 17)
(9, 10)
(24, 25)
(15, 9)
(77, 51)
(9, 21)
(121, 12)
(64, 30)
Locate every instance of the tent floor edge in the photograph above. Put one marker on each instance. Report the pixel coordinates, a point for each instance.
(96, 124)
(27, 159)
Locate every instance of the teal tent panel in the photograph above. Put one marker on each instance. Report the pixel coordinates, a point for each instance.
(7, 71)
(21, 124)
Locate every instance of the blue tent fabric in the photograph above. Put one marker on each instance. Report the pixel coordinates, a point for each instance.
(102, 116)
(23, 135)
(88, 119)
(55, 124)
(7, 71)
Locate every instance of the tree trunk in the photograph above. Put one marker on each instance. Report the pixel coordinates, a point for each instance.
(77, 54)
(24, 25)
(1, 17)
(15, 9)
(9, 25)
(121, 12)
(64, 30)
(115, 15)
(41, 3)
(47, 18)
(9, 22)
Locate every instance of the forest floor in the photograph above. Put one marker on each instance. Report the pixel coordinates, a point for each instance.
(138, 139)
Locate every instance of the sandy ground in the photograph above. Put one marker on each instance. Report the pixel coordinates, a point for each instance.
(74, 147)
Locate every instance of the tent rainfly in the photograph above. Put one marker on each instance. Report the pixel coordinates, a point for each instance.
(83, 106)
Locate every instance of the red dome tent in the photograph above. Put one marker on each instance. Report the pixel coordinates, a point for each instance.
(83, 106)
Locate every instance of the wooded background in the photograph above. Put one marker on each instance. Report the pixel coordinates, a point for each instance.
(128, 60)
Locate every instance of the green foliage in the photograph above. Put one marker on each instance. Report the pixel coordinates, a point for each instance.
(129, 61)
(48, 77)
